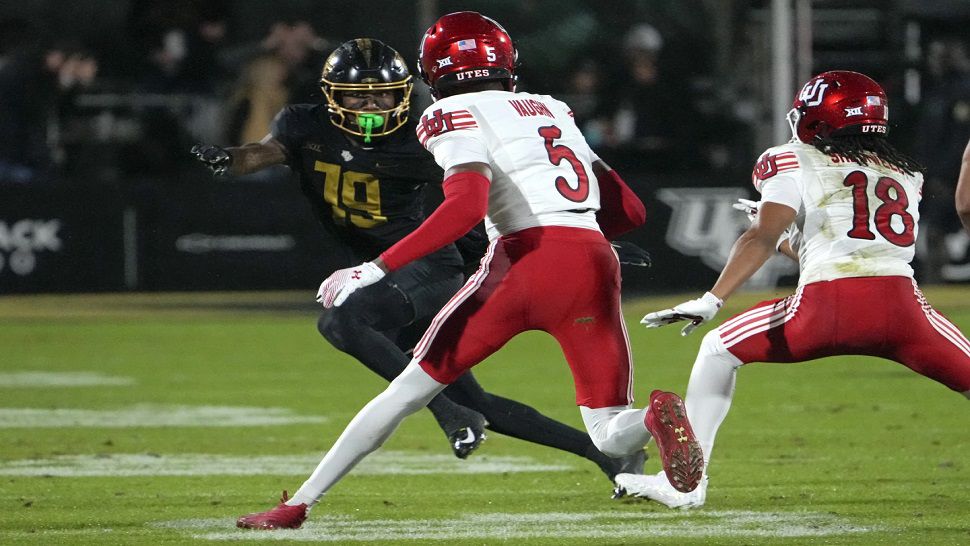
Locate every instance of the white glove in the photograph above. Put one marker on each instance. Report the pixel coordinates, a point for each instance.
(336, 288)
(696, 311)
(750, 209)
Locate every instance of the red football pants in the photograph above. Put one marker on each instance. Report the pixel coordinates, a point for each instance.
(560, 280)
(886, 317)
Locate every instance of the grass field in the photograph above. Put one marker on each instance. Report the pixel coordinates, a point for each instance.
(157, 419)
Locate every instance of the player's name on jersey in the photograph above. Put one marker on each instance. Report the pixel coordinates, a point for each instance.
(531, 107)
(872, 158)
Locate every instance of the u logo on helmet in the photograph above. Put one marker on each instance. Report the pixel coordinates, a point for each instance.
(813, 92)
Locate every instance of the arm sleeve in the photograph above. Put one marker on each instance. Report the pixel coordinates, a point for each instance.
(288, 130)
(459, 148)
(620, 209)
(465, 204)
(452, 134)
(778, 176)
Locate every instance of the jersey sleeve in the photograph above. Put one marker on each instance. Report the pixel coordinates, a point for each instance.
(777, 176)
(453, 136)
(289, 128)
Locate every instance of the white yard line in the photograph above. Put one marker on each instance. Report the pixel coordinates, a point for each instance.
(62, 379)
(153, 415)
(604, 526)
(380, 463)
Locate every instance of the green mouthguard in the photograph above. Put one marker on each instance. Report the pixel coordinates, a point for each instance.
(369, 122)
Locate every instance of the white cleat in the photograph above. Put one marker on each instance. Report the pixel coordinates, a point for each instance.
(656, 488)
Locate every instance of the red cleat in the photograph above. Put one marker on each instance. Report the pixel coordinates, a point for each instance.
(283, 516)
(680, 454)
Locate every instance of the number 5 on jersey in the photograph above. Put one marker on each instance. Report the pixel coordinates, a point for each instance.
(557, 154)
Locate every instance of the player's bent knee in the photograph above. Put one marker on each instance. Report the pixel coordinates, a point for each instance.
(335, 326)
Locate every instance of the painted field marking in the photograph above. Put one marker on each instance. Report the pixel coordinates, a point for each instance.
(62, 379)
(153, 415)
(379, 463)
(601, 526)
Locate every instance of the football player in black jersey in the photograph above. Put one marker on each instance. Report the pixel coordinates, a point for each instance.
(364, 171)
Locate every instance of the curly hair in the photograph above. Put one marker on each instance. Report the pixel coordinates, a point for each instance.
(862, 148)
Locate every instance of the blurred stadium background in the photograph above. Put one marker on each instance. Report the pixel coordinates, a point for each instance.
(130, 416)
(100, 102)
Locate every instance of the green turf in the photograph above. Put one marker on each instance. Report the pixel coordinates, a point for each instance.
(840, 451)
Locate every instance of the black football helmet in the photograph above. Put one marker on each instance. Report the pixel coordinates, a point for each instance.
(365, 64)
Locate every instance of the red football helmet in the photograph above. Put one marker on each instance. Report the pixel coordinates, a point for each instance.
(836, 103)
(466, 46)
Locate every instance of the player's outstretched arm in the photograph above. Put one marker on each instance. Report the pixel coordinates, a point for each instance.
(753, 247)
(750, 208)
(962, 197)
(750, 252)
(239, 160)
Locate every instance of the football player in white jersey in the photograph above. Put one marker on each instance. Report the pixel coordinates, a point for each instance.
(963, 189)
(851, 201)
(550, 204)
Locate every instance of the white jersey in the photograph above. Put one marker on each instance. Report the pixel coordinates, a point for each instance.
(852, 220)
(542, 167)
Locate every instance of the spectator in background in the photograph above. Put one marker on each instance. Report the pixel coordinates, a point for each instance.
(943, 128)
(176, 43)
(299, 46)
(261, 93)
(584, 94)
(649, 106)
(21, 145)
(35, 89)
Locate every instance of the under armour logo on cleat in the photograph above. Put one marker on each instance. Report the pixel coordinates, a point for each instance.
(356, 274)
(680, 434)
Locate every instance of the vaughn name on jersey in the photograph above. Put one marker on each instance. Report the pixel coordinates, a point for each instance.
(541, 164)
(852, 220)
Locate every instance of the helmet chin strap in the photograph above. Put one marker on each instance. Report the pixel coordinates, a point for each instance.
(367, 124)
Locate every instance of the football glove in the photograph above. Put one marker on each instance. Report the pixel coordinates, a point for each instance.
(631, 254)
(336, 288)
(215, 158)
(696, 311)
(748, 207)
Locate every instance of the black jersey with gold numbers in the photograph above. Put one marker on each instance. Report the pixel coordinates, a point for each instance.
(369, 195)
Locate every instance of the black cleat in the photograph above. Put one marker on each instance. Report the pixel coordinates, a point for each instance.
(618, 492)
(467, 439)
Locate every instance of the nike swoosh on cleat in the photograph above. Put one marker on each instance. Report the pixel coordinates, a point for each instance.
(469, 438)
